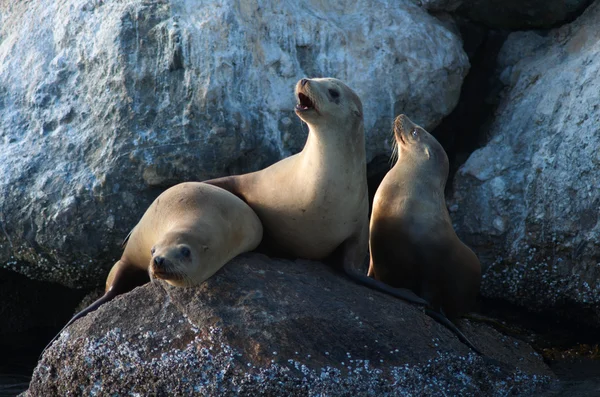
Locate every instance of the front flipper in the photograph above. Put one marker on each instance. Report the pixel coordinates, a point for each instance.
(354, 252)
(122, 278)
(352, 259)
(401, 293)
(109, 295)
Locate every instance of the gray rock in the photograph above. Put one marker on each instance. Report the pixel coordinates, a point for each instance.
(276, 327)
(511, 14)
(105, 103)
(440, 5)
(528, 202)
(519, 14)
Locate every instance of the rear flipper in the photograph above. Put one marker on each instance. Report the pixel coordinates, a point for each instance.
(441, 318)
(122, 278)
(352, 252)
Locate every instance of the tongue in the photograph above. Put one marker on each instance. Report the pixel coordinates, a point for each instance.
(305, 102)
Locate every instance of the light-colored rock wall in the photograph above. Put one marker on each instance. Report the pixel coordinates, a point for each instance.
(105, 103)
(528, 202)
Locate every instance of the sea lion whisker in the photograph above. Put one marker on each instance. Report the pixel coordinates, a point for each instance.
(189, 280)
(422, 182)
(394, 156)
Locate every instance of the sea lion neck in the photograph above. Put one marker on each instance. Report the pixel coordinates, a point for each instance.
(327, 135)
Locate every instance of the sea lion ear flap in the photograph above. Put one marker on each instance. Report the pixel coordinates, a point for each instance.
(356, 110)
(427, 152)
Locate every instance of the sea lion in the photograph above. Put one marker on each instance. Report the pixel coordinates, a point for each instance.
(188, 233)
(315, 203)
(412, 242)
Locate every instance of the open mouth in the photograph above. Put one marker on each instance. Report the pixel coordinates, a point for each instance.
(304, 103)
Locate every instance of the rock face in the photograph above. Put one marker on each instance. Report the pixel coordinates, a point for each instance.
(528, 202)
(105, 103)
(522, 14)
(511, 14)
(276, 327)
(440, 5)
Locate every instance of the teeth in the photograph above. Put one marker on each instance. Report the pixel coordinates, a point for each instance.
(304, 102)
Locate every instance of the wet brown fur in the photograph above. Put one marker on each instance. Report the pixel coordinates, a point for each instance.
(412, 242)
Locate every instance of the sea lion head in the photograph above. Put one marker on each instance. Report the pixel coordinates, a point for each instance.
(420, 146)
(179, 259)
(327, 100)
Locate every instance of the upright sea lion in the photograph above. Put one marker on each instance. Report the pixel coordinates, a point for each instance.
(412, 242)
(315, 203)
(188, 233)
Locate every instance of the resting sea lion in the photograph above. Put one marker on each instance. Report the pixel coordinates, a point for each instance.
(188, 233)
(315, 203)
(412, 242)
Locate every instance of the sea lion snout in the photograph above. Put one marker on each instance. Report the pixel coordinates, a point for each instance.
(161, 268)
(159, 262)
(403, 123)
(161, 265)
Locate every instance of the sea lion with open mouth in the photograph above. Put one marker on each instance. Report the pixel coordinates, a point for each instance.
(314, 204)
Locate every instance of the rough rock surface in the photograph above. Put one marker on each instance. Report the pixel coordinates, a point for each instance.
(263, 326)
(511, 14)
(439, 5)
(104, 103)
(528, 202)
(518, 14)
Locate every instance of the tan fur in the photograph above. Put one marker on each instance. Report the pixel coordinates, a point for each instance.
(412, 242)
(315, 201)
(314, 204)
(212, 224)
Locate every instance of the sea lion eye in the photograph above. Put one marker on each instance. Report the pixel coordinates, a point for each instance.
(415, 133)
(152, 251)
(334, 94)
(185, 252)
